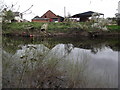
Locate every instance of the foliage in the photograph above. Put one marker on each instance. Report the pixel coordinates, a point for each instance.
(112, 20)
(118, 18)
(9, 15)
(118, 21)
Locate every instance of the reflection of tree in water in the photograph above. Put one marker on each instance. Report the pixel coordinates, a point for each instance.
(68, 48)
(10, 44)
(94, 50)
(98, 47)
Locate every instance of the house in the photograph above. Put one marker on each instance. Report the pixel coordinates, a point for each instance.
(84, 16)
(49, 16)
(18, 17)
(39, 19)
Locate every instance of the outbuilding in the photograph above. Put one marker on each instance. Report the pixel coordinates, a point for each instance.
(84, 16)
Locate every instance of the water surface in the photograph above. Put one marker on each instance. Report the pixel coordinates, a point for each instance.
(76, 62)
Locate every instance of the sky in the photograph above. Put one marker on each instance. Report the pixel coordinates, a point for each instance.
(107, 7)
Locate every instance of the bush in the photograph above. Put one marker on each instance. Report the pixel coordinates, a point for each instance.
(118, 21)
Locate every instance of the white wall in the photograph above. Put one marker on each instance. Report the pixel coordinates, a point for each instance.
(18, 18)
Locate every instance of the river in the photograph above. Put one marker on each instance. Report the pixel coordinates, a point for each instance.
(60, 62)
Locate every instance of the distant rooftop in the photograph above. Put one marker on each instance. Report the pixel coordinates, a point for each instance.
(39, 18)
(85, 14)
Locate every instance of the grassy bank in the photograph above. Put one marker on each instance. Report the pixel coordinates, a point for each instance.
(114, 28)
(19, 27)
(54, 28)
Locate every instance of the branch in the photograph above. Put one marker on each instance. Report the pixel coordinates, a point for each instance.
(18, 7)
(28, 9)
(13, 5)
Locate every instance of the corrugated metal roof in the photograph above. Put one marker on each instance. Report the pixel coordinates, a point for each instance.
(85, 14)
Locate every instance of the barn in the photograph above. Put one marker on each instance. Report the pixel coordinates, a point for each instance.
(84, 16)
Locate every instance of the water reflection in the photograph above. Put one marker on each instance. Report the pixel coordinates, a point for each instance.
(95, 67)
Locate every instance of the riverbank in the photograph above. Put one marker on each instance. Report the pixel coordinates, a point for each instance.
(74, 34)
(32, 29)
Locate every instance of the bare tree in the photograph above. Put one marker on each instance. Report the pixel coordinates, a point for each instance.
(1, 5)
(24, 12)
(8, 11)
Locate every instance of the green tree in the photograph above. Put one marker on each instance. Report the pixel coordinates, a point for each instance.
(9, 15)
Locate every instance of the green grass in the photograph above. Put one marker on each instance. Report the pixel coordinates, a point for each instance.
(36, 25)
(20, 26)
(64, 27)
(52, 27)
(114, 28)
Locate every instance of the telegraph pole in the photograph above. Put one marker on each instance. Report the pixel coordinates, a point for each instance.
(64, 12)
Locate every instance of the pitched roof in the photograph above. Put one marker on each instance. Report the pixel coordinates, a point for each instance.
(85, 14)
(49, 14)
(36, 17)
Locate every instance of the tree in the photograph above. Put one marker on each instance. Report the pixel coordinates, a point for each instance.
(118, 21)
(1, 5)
(9, 15)
(118, 18)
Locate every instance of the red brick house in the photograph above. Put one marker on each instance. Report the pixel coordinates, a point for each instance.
(39, 19)
(49, 16)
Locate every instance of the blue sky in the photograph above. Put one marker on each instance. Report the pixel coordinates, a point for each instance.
(108, 7)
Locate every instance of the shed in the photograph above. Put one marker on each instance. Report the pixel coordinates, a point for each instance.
(84, 16)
